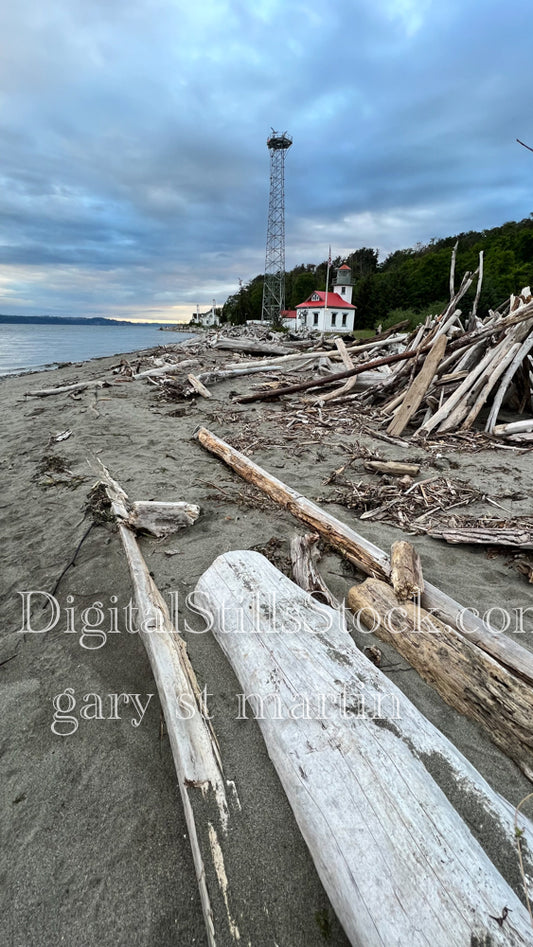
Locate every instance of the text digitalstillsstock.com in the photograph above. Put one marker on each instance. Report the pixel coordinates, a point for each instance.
(94, 624)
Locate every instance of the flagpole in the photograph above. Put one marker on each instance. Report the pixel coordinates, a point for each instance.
(327, 284)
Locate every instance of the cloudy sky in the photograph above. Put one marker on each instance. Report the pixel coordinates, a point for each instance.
(133, 160)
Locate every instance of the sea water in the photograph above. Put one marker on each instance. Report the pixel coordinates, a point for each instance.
(26, 348)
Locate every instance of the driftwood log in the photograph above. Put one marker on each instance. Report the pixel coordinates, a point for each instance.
(394, 468)
(161, 519)
(466, 678)
(519, 536)
(357, 762)
(369, 559)
(210, 812)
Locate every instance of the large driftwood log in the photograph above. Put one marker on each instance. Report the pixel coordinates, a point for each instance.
(357, 762)
(369, 559)
(465, 677)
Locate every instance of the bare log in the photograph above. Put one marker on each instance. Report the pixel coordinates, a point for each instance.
(63, 389)
(331, 529)
(406, 570)
(394, 468)
(513, 427)
(255, 347)
(368, 558)
(209, 813)
(521, 537)
(465, 677)
(359, 774)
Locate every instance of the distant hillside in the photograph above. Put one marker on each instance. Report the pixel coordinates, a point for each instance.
(411, 282)
(62, 321)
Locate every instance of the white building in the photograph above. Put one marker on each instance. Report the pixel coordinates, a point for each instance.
(209, 318)
(334, 313)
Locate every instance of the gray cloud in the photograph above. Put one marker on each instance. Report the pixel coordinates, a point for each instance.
(134, 167)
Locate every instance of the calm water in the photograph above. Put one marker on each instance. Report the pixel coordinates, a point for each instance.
(29, 347)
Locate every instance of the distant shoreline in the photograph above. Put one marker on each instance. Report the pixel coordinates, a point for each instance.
(74, 321)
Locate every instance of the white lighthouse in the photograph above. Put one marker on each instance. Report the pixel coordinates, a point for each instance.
(343, 285)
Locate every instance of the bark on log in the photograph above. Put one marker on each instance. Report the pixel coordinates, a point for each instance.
(465, 677)
(358, 775)
(369, 559)
(406, 570)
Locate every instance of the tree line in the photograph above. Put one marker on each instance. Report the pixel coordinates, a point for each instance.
(409, 283)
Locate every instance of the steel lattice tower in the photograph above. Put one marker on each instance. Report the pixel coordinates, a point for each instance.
(274, 285)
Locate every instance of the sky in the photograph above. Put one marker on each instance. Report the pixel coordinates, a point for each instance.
(134, 169)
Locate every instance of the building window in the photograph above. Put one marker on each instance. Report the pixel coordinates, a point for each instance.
(343, 290)
(344, 318)
(315, 318)
(333, 318)
(303, 316)
(315, 297)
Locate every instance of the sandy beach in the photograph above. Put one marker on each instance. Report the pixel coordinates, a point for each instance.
(95, 847)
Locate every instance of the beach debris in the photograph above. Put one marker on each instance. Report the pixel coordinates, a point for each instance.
(198, 386)
(361, 782)
(467, 678)
(304, 558)
(370, 559)
(158, 518)
(54, 471)
(61, 436)
(162, 519)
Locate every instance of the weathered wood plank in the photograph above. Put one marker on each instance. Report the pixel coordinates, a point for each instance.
(356, 758)
(418, 388)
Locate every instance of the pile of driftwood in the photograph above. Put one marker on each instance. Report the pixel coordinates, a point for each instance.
(446, 373)
(360, 765)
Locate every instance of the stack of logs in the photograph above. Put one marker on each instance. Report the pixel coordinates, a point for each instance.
(446, 389)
